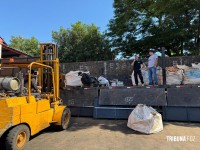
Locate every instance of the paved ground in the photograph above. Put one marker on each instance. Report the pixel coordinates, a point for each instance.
(90, 134)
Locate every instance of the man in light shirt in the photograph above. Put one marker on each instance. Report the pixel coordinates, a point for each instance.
(152, 64)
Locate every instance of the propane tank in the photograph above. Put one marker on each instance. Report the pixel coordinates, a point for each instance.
(9, 84)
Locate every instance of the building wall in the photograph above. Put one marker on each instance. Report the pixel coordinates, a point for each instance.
(12, 72)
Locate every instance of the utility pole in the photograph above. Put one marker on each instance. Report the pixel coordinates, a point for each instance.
(163, 66)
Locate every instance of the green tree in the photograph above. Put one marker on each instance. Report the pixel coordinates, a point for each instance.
(29, 46)
(81, 42)
(140, 25)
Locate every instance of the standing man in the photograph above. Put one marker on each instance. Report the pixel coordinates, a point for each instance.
(137, 70)
(152, 64)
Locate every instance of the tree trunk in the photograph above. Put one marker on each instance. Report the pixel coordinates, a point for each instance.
(168, 52)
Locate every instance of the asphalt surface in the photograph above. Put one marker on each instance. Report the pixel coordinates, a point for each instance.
(91, 134)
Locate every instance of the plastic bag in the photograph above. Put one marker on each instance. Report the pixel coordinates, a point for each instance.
(103, 81)
(145, 119)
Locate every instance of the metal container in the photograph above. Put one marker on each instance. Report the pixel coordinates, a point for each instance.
(9, 83)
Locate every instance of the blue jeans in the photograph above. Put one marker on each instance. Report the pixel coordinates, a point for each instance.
(152, 73)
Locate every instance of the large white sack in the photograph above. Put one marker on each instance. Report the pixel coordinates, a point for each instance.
(73, 79)
(192, 76)
(132, 78)
(196, 66)
(145, 76)
(145, 119)
(174, 78)
(160, 76)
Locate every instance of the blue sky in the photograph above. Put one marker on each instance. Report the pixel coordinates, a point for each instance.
(39, 17)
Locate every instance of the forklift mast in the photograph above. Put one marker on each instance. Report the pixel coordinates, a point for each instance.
(49, 56)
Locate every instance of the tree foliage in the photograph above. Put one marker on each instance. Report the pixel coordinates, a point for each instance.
(29, 46)
(81, 42)
(139, 25)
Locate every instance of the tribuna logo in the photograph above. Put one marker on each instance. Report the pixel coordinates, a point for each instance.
(180, 138)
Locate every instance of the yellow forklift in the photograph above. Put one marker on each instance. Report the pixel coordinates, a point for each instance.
(25, 111)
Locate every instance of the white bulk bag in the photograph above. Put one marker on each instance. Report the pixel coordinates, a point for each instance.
(196, 66)
(174, 78)
(145, 119)
(192, 76)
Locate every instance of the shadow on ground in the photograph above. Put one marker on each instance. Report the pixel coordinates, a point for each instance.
(79, 123)
(113, 125)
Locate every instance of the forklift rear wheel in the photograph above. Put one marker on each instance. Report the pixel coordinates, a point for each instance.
(17, 137)
(66, 117)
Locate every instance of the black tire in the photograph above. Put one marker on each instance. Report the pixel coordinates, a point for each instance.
(66, 118)
(13, 141)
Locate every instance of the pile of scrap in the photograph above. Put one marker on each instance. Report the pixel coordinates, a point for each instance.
(82, 79)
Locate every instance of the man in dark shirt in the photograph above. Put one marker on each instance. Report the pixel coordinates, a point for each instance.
(137, 70)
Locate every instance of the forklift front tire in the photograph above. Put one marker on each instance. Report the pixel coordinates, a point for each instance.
(66, 117)
(17, 137)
